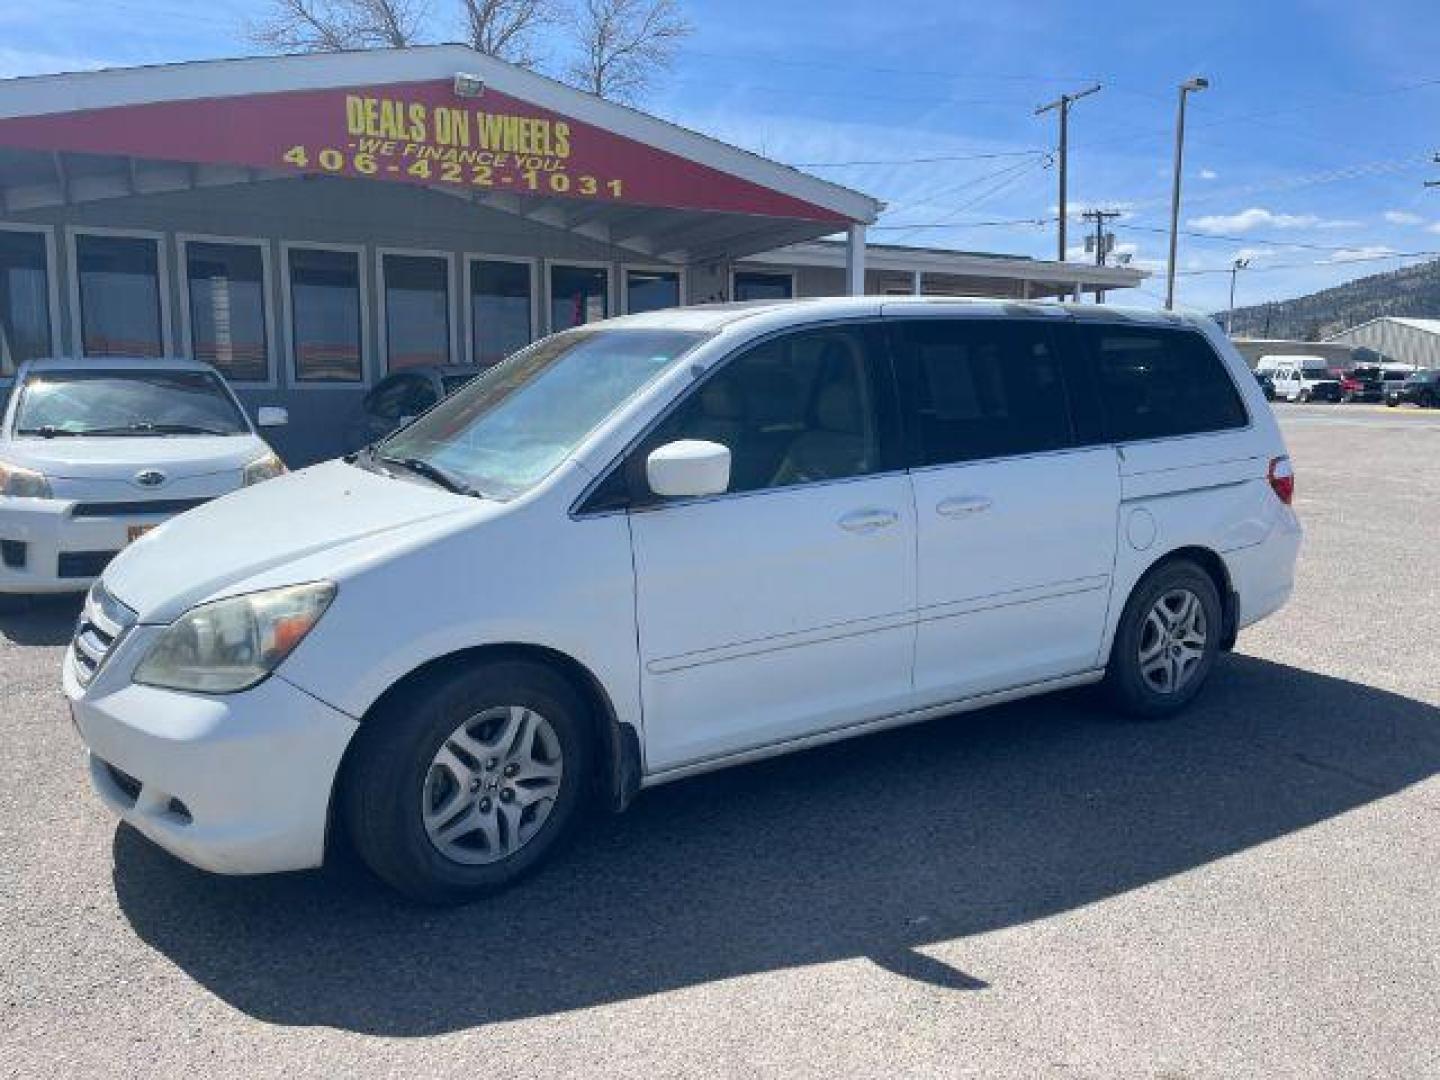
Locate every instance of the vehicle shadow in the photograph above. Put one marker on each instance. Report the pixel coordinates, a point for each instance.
(870, 848)
(40, 620)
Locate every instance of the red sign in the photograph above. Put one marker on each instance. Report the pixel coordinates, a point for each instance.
(419, 133)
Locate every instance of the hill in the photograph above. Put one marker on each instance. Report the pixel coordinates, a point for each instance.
(1413, 292)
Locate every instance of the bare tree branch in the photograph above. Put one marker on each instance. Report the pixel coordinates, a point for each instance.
(506, 28)
(333, 25)
(624, 45)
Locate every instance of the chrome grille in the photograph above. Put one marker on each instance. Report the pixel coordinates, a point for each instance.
(103, 623)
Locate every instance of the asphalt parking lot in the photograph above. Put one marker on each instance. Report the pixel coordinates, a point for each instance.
(1037, 890)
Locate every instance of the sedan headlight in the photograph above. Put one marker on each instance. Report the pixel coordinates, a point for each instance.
(231, 645)
(20, 483)
(266, 467)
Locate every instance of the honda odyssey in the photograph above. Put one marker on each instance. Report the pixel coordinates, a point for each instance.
(672, 542)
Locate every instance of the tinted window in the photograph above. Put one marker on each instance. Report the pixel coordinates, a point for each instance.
(227, 308)
(798, 409)
(119, 296)
(24, 299)
(754, 285)
(1155, 383)
(651, 290)
(578, 295)
(325, 312)
(417, 310)
(981, 389)
(499, 309)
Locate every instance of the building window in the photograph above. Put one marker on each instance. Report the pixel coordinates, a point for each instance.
(500, 310)
(578, 295)
(417, 310)
(24, 299)
(325, 315)
(651, 290)
(228, 324)
(753, 285)
(120, 310)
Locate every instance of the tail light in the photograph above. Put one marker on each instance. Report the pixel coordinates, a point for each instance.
(1281, 475)
(1349, 383)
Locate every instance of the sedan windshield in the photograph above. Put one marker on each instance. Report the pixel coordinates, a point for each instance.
(505, 430)
(110, 402)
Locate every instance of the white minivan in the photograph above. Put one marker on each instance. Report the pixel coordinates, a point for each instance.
(96, 452)
(673, 542)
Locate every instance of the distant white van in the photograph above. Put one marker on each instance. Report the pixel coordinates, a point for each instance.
(1300, 378)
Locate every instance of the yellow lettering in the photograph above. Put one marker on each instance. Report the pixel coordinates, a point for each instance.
(355, 114)
(417, 121)
(562, 139)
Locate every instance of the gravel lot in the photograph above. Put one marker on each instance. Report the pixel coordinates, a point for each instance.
(1252, 890)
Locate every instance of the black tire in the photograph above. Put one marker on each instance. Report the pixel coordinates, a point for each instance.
(1391, 402)
(1427, 400)
(386, 776)
(1125, 683)
(1304, 397)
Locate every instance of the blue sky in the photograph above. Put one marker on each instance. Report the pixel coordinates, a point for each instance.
(1308, 154)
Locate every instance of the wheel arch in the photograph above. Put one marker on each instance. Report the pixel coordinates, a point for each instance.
(619, 767)
(1213, 563)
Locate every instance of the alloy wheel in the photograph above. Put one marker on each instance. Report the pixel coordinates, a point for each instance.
(1172, 641)
(492, 784)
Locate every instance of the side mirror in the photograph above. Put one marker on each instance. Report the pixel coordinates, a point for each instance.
(688, 468)
(272, 416)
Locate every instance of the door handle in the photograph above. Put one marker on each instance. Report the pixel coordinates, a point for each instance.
(960, 505)
(864, 521)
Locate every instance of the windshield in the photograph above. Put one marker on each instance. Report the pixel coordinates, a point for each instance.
(506, 429)
(55, 403)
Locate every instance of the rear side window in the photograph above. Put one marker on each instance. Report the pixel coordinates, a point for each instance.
(1156, 383)
(979, 389)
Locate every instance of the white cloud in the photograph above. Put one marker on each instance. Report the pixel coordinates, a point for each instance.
(1402, 217)
(1433, 227)
(1209, 174)
(1361, 254)
(1259, 218)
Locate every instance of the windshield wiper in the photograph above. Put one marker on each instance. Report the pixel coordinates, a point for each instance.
(433, 473)
(46, 431)
(147, 428)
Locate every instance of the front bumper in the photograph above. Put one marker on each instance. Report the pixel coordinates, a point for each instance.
(234, 784)
(47, 550)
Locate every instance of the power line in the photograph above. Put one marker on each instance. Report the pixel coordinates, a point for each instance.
(1319, 262)
(918, 160)
(1037, 222)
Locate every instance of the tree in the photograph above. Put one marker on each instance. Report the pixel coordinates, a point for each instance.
(334, 25)
(506, 28)
(624, 44)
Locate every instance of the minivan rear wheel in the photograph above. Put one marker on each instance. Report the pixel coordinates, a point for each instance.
(1167, 640)
(465, 783)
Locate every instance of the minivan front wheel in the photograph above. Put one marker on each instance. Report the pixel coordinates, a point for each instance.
(1167, 640)
(465, 783)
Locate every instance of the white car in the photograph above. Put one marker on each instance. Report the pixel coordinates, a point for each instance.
(96, 452)
(674, 542)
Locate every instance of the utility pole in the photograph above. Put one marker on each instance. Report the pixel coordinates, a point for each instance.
(1189, 86)
(1103, 241)
(1235, 268)
(1063, 103)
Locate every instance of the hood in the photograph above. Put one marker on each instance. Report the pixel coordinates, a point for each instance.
(224, 543)
(87, 457)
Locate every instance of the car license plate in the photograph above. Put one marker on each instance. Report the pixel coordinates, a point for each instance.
(134, 532)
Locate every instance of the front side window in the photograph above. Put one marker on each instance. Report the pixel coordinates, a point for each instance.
(228, 325)
(799, 409)
(578, 295)
(83, 403)
(756, 285)
(24, 299)
(651, 290)
(978, 389)
(120, 313)
(506, 429)
(417, 310)
(1156, 382)
(325, 315)
(500, 310)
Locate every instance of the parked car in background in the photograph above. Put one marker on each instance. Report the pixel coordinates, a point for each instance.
(1267, 385)
(398, 398)
(1373, 382)
(763, 527)
(1305, 378)
(94, 454)
(1421, 388)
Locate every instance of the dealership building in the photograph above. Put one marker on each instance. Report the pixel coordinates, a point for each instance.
(312, 225)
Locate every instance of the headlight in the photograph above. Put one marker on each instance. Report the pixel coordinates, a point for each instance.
(231, 645)
(266, 467)
(22, 483)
